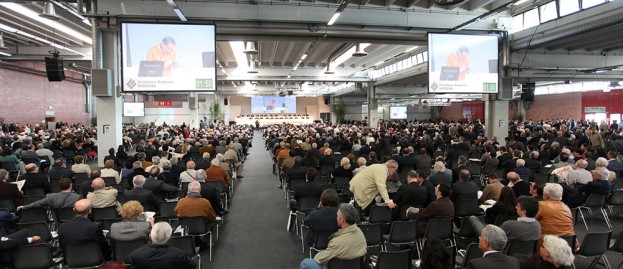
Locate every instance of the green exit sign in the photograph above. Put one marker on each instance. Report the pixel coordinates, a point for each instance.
(204, 83)
(489, 87)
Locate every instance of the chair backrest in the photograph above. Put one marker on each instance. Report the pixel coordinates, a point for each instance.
(595, 200)
(31, 199)
(570, 240)
(452, 250)
(595, 244)
(473, 252)
(34, 192)
(308, 202)
(217, 184)
(321, 240)
(194, 225)
(39, 228)
(9, 166)
(524, 247)
(394, 260)
(8, 204)
(109, 181)
(33, 215)
(616, 197)
(340, 181)
(85, 255)
(64, 214)
(106, 223)
(380, 214)
(104, 213)
(467, 207)
(185, 243)
(356, 263)
(329, 186)
(23, 257)
(372, 233)
(402, 232)
(122, 249)
(439, 229)
(167, 209)
(501, 218)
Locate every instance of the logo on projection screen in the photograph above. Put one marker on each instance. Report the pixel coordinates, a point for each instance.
(434, 86)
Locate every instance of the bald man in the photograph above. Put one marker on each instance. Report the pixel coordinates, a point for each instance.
(35, 180)
(80, 230)
(519, 186)
(102, 196)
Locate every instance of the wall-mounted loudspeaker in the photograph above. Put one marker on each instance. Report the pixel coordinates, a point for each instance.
(506, 89)
(225, 102)
(327, 100)
(527, 91)
(101, 82)
(54, 68)
(192, 102)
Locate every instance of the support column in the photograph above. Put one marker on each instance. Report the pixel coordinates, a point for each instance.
(331, 106)
(373, 107)
(521, 109)
(193, 111)
(109, 109)
(496, 119)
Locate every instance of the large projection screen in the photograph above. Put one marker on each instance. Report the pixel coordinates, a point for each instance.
(462, 63)
(133, 109)
(273, 104)
(398, 113)
(168, 57)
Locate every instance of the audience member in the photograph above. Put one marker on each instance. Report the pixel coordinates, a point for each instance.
(323, 218)
(65, 198)
(441, 208)
(555, 253)
(102, 196)
(372, 181)
(133, 226)
(157, 254)
(9, 190)
(493, 189)
(492, 241)
(80, 230)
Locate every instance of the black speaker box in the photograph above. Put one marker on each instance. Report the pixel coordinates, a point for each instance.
(527, 92)
(54, 68)
(225, 101)
(327, 100)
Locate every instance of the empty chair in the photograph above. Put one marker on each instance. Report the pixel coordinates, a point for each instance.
(595, 201)
(8, 204)
(401, 233)
(525, 247)
(64, 214)
(83, 256)
(467, 207)
(104, 213)
(197, 227)
(356, 263)
(34, 192)
(618, 247)
(23, 257)
(33, 215)
(595, 245)
(340, 181)
(122, 249)
(167, 209)
(372, 233)
(394, 260)
(380, 214)
(187, 244)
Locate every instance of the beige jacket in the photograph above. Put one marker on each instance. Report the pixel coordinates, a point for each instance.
(104, 198)
(345, 244)
(367, 183)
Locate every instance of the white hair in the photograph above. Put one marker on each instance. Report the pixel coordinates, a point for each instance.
(194, 186)
(138, 181)
(161, 233)
(601, 162)
(345, 163)
(201, 175)
(521, 162)
(215, 162)
(439, 167)
(559, 250)
(554, 190)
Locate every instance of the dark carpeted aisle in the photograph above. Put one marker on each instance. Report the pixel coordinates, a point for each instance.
(254, 234)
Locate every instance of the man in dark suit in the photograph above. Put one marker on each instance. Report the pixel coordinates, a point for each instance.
(464, 189)
(613, 163)
(441, 208)
(309, 188)
(505, 159)
(8, 190)
(156, 184)
(492, 241)
(411, 194)
(35, 180)
(80, 230)
(168, 176)
(204, 163)
(588, 157)
(323, 218)
(423, 162)
(143, 196)
(407, 162)
(298, 171)
(461, 165)
(533, 162)
(519, 186)
(60, 170)
(520, 169)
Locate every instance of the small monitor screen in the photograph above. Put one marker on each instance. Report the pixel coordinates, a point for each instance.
(398, 112)
(273, 104)
(131, 109)
(462, 63)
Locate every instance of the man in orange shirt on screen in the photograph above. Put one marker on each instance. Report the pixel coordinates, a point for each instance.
(165, 52)
(459, 59)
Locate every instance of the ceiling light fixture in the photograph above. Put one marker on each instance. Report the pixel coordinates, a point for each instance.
(56, 25)
(347, 54)
(5, 54)
(333, 18)
(180, 14)
(49, 12)
(359, 52)
(10, 29)
(250, 48)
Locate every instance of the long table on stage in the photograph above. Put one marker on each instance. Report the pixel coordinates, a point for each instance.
(278, 120)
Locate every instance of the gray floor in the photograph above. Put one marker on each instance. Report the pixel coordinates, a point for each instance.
(254, 234)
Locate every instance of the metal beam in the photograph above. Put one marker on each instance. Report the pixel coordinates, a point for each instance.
(287, 53)
(273, 53)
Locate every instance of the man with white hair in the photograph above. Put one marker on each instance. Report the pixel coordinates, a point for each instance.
(361, 162)
(211, 193)
(204, 162)
(554, 216)
(492, 241)
(579, 175)
(372, 181)
(217, 173)
(102, 196)
(190, 174)
(157, 254)
(601, 164)
(521, 170)
(231, 154)
(599, 185)
(143, 196)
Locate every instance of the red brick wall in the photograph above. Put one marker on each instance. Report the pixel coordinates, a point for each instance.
(25, 97)
(556, 106)
(454, 111)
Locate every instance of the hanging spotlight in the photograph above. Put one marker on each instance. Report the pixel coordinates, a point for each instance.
(2, 45)
(250, 48)
(49, 12)
(359, 52)
(329, 71)
(252, 69)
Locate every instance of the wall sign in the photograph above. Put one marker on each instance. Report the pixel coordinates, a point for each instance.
(595, 109)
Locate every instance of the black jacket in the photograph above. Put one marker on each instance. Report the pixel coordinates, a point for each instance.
(494, 261)
(145, 197)
(151, 256)
(211, 193)
(159, 187)
(521, 188)
(81, 230)
(307, 188)
(35, 181)
(463, 190)
(57, 173)
(321, 220)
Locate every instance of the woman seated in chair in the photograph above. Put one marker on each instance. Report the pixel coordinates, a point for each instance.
(505, 205)
(134, 226)
(344, 170)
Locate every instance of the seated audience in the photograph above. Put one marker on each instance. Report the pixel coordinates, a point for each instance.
(554, 216)
(441, 208)
(157, 255)
(109, 171)
(143, 196)
(464, 189)
(504, 206)
(79, 166)
(440, 174)
(493, 189)
(519, 186)
(555, 253)
(435, 255)
(9, 190)
(323, 218)
(80, 230)
(492, 241)
(526, 227)
(102, 196)
(309, 188)
(193, 205)
(134, 226)
(65, 198)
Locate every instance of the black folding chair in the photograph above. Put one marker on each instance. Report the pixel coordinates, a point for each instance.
(187, 244)
(394, 260)
(595, 245)
(34, 215)
(372, 233)
(34, 192)
(321, 241)
(401, 233)
(65, 214)
(356, 263)
(107, 223)
(8, 204)
(524, 247)
(24, 257)
(598, 202)
(104, 213)
(39, 228)
(122, 249)
(197, 227)
(87, 255)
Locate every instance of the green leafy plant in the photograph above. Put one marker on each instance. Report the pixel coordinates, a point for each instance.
(339, 110)
(216, 114)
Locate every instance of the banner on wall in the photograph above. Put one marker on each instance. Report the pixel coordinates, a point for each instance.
(595, 109)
